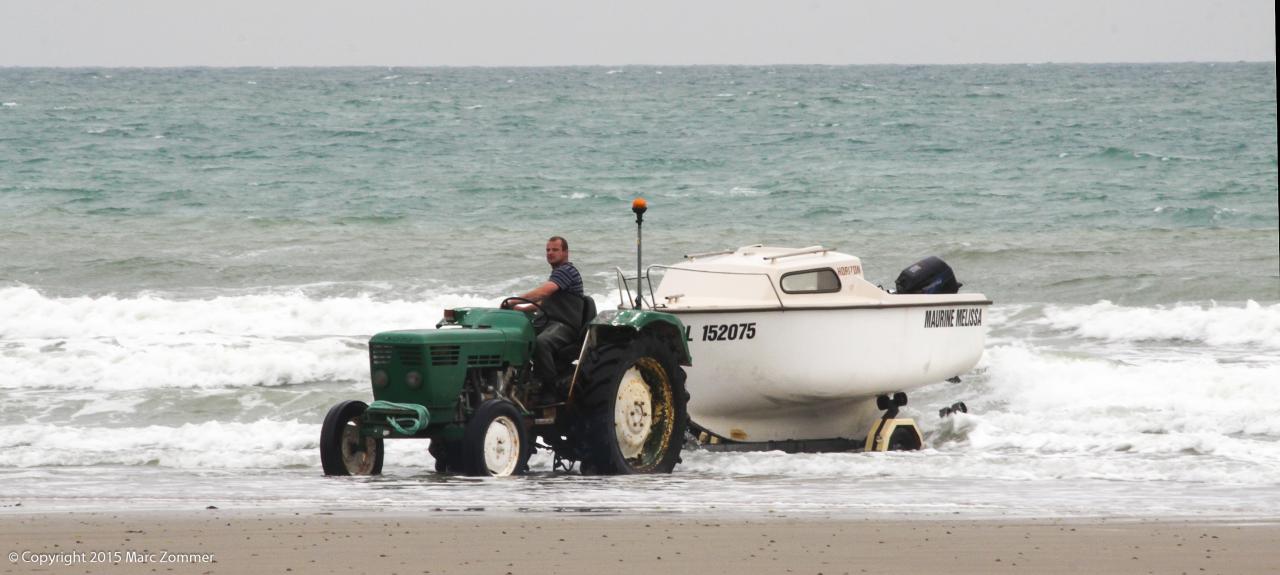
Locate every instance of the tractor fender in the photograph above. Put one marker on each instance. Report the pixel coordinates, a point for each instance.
(625, 325)
(629, 323)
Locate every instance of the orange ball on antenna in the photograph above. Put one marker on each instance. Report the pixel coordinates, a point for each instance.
(639, 204)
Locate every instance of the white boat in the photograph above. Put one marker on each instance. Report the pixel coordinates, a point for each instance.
(792, 345)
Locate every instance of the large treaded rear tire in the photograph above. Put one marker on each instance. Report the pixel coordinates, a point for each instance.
(634, 407)
(342, 450)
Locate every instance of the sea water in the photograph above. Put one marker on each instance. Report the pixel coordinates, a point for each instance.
(192, 262)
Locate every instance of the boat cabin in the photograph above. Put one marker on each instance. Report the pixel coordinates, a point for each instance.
(761, 277)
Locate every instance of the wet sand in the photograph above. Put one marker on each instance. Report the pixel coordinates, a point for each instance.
(441, 543)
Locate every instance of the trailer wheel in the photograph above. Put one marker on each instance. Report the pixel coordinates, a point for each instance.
(343, 451)
(634, 406)
(495, 441)
(905, 438)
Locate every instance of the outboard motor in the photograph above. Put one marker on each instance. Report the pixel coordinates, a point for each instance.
(927, 276)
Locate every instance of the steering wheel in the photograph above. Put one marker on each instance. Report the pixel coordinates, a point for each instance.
(521, 300)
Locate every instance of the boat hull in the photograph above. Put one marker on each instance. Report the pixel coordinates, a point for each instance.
(798, 374)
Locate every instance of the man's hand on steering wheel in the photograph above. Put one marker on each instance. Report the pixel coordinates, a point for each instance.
(507, 303)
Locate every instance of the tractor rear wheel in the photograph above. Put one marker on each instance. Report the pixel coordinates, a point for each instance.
(343, 450)
(634, 407)
(495, 441)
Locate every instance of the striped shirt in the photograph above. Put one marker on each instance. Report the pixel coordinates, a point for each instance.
(567, 278)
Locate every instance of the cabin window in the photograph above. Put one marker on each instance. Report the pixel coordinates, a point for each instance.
(811, 281)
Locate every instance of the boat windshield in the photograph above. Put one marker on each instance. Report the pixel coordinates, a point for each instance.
(683, 287)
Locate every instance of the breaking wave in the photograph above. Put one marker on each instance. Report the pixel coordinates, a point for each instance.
(1211, 324)
(149, 341)
(1042, 406)
(27, 313)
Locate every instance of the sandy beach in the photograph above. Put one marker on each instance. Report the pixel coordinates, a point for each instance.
(236, 541)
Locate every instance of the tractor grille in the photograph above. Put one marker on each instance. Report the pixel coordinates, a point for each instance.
(484, 360)
(409, 354)
(444, 354)
(380, 354)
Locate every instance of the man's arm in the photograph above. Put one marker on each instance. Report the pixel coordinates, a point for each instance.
(538, 295)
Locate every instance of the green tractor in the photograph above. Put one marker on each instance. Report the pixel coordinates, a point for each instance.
(618, 405)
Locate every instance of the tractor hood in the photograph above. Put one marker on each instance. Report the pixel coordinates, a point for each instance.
(449, 335)
(428, 366)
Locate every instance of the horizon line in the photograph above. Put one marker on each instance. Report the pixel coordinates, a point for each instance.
(533, 66)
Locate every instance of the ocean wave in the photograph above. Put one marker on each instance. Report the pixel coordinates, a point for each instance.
(1118, 153)
(738, 192)
(1054, 403)
(1034, 415)
(179, 361)
(234, 341)
(149, 341)
(821, 211)
(25, 313)
(209, 445)
(1250, 324)
(1204, 215)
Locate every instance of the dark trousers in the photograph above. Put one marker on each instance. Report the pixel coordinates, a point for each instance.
(553, 338)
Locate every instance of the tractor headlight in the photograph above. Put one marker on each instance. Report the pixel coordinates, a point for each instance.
(380, 379)
(413, 380)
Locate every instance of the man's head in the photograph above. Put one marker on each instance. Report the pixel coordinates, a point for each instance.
(557, 251)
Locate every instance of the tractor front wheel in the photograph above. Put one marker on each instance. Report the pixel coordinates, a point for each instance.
(343, 450)
(495, 441)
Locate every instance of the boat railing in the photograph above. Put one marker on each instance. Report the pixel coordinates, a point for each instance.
(624, 289)
(719, 252)
(800, 252)
(708, 254)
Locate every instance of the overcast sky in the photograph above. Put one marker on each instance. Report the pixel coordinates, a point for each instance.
(606, 32)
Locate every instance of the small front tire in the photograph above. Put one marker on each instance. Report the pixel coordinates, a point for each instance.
(343, 450)
(495, 441)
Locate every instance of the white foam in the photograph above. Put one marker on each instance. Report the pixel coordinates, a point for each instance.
(1213, 324)
(1040, 410)
(147, 341)
(1043, 414)
(262, 444)
(737, 192)
(1048, 403)
(26, 313)
(185, 360)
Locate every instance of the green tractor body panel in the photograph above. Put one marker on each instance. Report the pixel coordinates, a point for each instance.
(429, 366)
(644, 320)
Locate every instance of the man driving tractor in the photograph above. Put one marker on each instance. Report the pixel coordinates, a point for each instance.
(561, 301)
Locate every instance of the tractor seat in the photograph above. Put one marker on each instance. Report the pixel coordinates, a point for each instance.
(566, 355)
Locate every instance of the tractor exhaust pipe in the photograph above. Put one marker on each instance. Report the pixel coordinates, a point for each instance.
(639, 206)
